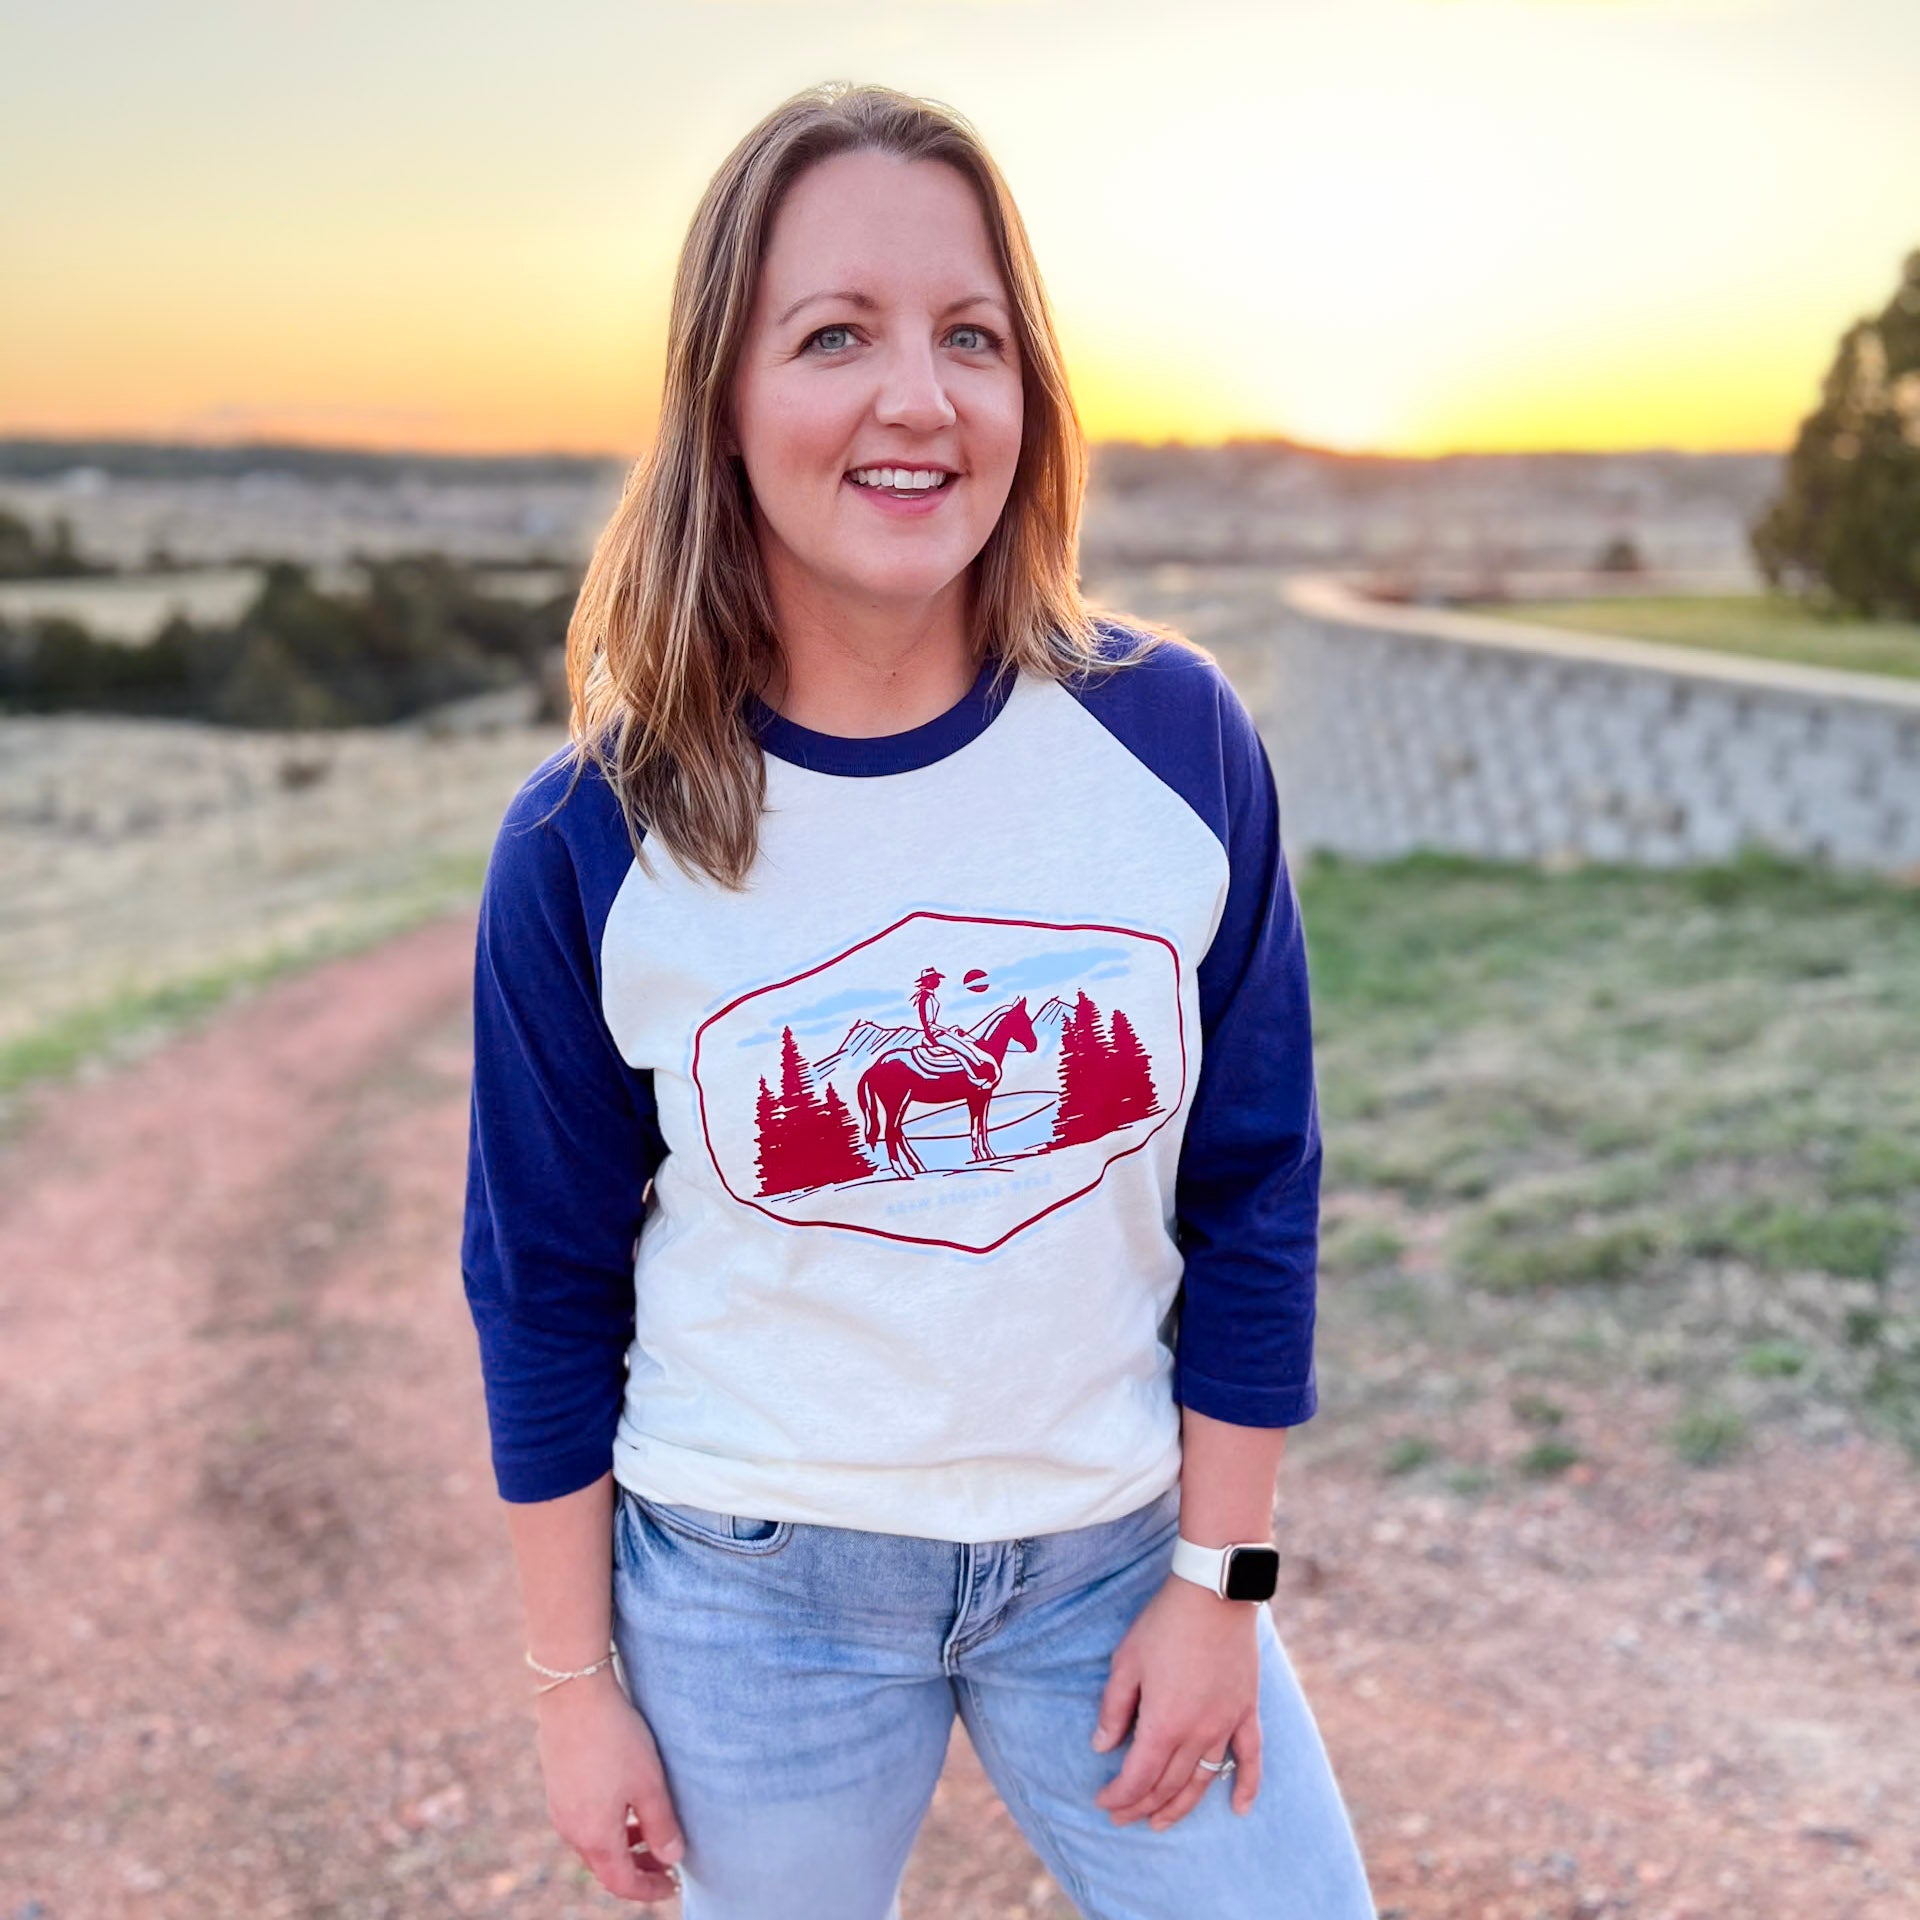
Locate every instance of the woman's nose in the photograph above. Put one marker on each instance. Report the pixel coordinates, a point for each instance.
(913, 392)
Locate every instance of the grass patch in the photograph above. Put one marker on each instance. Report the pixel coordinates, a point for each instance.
(1892, 1391)
(1402, 1298)
(1360, 1246)
(1705, 1435)
(1525, 1259)
(1864, 1326)
(1536, 1410)
(1431, 1166)
(1855, 1239)
(1548, 1457)
(1774, 1360)
(1877, 1166)
(1408, 1452)
(1766, 626)
(136, 1014)
(1686, 1100)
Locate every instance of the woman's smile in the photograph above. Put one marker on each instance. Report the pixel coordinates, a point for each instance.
(913, 500)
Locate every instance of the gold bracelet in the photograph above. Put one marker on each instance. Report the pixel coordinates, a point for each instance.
(557, 1678)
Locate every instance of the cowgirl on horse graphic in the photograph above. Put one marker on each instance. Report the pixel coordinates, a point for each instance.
(946, 1046)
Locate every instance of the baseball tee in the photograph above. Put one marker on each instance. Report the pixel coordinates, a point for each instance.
(917, 1186)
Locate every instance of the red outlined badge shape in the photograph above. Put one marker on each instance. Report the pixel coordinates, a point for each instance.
(884, 1181)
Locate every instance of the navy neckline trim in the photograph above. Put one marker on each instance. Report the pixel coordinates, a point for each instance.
(882, 753)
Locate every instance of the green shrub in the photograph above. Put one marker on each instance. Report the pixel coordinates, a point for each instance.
(1705, 1435)
(1545, 1458)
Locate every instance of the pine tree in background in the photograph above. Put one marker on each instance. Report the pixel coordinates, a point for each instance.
(796, 1082)
(841, 1133)
(1133, 1094)
(1844, 532)
(1106, 1078)
(807, 1137)
(768, 1162)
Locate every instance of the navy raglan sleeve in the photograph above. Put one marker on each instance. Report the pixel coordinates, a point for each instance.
(563, 1140)
(1248, 1191)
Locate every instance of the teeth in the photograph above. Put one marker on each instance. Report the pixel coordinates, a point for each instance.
(918, 479)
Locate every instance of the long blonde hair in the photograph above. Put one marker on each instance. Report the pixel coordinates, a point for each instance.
(675, 623)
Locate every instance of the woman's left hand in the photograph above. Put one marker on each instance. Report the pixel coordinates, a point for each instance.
(1189, 1666)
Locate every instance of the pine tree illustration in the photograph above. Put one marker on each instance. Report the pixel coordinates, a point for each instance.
(1134, 1097)
(767, 1131)
(796, 1082)
(842, 1137)
(807, 1137)
(1085, 1077)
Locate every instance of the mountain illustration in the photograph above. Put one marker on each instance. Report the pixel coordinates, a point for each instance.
(866, 1039)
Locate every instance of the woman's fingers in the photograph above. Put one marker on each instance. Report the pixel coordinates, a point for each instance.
(1182, 1783)
(650, 1824)
(1155, 1771)
(1183, 1802)
(1245, 1777)
(1118, 1703)
(636, 1868)
(655, 1843)
(1243, 1781)
(623, 1873)
(1181, 1779)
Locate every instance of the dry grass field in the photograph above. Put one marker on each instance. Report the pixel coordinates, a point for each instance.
(150, 867)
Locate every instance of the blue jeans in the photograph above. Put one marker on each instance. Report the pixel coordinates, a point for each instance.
(800, 1682)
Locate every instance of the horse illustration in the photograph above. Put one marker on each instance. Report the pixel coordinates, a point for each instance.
(894, 1080)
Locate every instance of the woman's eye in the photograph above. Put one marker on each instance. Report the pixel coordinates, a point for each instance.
(990, 340)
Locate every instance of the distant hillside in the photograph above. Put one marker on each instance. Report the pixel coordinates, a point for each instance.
(1262, 502)
(1273, 503)
(22, 459)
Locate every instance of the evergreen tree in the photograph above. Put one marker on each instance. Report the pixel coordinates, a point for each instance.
(796, 1080)
(1844, 531)
(766, 1126)
(1084, 1112)
(842, 1132)
(1133, 1094)
(807, 1136)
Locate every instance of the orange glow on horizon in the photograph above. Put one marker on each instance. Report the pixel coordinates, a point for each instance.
(1400, 227)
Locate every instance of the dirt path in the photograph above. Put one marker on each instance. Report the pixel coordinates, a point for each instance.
(259, 1649)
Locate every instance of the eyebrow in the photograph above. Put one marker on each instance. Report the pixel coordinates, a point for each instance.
(853, 297)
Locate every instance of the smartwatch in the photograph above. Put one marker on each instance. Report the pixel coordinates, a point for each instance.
(1248, 1570)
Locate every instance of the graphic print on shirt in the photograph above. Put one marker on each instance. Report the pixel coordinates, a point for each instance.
(849, 1097)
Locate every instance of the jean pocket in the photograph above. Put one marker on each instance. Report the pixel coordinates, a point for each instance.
(731, 1532)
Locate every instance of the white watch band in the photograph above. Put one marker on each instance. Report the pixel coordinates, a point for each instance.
(1206, 1566)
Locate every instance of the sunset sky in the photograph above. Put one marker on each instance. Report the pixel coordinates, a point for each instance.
(1414, 226)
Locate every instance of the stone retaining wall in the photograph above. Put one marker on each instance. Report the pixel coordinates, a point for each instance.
(1396, 727)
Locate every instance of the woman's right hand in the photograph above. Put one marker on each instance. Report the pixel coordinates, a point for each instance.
(598, 1759)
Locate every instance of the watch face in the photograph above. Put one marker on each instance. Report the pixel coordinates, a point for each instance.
(1253, 1573)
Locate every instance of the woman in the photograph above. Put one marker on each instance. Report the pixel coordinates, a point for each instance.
(894, 1437)
(947, 1046)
